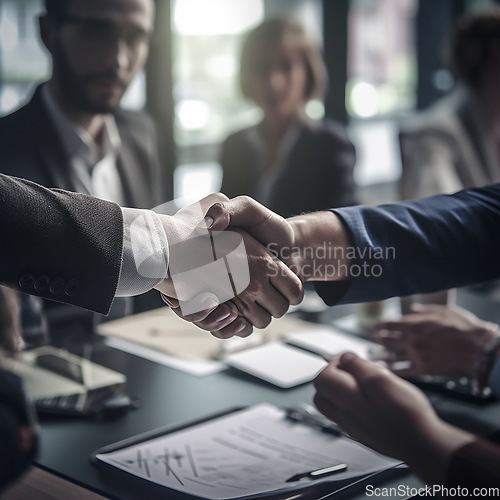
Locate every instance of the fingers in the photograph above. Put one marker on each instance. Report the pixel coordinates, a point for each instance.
(241, 211)
(240, 327)
(203, 303)
(395, 341)
(287, 283)
(262, 223)
(371, 379)
(222, 322)
(335, 385)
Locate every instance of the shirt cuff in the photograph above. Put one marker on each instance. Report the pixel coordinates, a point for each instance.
(145, 252)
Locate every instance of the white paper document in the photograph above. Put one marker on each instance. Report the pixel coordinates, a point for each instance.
(278, 364)
(243, 454)
(329, 342)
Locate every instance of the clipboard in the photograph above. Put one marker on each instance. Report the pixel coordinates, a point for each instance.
(145, 488)
(122, 461)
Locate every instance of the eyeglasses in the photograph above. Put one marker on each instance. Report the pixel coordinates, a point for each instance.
(100, 33)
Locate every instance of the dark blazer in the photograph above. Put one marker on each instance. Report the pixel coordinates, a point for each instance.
(59, 245)
(318, 170)
(30, 148)
(434, 243)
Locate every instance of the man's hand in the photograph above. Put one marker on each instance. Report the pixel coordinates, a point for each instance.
(312, 245)
(205, 269)
(387, 414)
(437, 340)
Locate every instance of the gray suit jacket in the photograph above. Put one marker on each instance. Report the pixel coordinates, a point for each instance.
(446, 148)
(316, 172)
(30, 148)
(58, 245)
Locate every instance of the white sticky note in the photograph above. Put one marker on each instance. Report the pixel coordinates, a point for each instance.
(329, 342)
(279, 364)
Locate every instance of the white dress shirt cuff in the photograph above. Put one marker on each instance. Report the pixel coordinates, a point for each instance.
(145, 252)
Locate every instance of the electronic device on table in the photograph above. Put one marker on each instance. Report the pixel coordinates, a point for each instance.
(59, 383)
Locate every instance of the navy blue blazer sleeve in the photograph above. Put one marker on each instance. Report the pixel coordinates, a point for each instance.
(59, 245)
(420, 246)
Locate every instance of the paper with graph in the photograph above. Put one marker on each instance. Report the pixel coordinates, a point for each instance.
(245, 453)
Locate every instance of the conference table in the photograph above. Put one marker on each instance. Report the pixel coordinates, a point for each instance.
(170, 397)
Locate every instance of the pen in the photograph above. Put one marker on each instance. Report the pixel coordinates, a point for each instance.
(316, 474)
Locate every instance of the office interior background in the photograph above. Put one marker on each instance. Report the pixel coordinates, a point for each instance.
(384, 59)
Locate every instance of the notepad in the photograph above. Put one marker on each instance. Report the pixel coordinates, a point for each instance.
(278, 364)
(330, 342)
(241, 455)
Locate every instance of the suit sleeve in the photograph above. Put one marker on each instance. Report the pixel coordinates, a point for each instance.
(420, 246)
(477, 464)
(59, 245)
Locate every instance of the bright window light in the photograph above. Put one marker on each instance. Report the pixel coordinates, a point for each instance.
(364, 99)
(195, 181)
(222, 65)
(192, 114)
(315, 109)
(201, 17)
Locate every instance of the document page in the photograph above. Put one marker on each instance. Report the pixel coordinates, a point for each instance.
(245, 453)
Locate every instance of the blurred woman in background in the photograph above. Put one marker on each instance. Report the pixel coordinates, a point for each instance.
(289, 162)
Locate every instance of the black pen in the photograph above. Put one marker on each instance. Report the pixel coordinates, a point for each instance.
(316, 474)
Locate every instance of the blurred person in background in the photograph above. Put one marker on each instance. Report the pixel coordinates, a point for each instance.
(450, 146)
(455, 144)
(74, 135)
(289, 162)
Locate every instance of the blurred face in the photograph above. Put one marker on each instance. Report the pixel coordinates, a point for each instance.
(279, 82)
(98, 49)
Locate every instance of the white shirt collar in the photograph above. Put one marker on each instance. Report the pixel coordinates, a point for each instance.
(75, 139)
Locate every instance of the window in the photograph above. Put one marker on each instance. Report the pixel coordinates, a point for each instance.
(22, 58)
(381, 57)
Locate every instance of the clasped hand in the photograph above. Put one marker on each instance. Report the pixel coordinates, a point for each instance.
(209, 265)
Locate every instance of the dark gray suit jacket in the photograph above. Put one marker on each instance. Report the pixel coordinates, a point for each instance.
(30, 148)
(58, 245)
(420, 246)
(317, 174)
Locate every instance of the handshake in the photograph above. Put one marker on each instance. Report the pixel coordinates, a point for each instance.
(235, 264)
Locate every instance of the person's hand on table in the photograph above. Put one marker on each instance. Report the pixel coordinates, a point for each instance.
(436, 340)
(272, 285)
(387, 414)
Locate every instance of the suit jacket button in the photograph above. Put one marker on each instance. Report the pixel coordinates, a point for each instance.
(57, 286)
(72, 288)
(41, 283)
(26, 281)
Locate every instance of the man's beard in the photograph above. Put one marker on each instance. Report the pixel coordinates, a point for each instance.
(73, 87)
